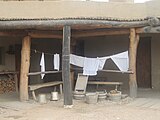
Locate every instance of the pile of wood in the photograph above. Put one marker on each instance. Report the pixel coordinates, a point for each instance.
(7, 85)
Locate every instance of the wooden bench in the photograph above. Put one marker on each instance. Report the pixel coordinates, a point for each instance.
(117, 84)
(42, 85)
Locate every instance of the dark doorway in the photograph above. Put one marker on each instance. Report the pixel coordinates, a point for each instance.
(18, 60)
(144, 63)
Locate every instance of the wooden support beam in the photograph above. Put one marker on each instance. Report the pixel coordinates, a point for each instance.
(148, 29)
(111, 71)
(92, 33)
(68, 102)
(46, 34)
(46, 72)
(13, 33)
(25, 63)
(134, 40)
(50, 24)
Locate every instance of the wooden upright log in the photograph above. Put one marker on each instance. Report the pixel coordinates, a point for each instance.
(66, 67)
(134, 40)
(25, 63)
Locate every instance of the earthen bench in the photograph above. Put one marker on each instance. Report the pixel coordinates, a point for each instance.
(117, 84)
(42, 85)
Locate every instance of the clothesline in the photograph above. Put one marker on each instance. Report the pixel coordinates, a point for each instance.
(92, 65)
(46, 53)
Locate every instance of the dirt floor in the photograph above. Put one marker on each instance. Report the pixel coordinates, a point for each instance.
(142, 108)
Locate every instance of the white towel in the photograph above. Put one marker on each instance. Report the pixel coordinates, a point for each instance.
(77, 60)
(121, 60)
(90, 66)
(56, 62)
(42, 64)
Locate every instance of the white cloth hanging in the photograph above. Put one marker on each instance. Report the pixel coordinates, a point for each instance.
(121, 60)
(42, 64)
(102, 61)
(90, 66)
(77, 60)
(56, 61)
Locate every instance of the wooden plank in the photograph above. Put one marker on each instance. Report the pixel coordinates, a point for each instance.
(46, 34)
(148, 29)
(25, 63)
(37, 86)
(117, 71)
(13, 33)
(92, 33)
(104, 83)
(8, 72)
(66, 66)
(134, 40)
(112, 71)
(46, 72)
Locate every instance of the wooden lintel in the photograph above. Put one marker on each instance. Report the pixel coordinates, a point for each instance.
(45, 34)
(50, 24)
(99, 33)
(12, 33)
(148, 29)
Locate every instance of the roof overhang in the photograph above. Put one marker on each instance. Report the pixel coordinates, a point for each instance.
(74, 9)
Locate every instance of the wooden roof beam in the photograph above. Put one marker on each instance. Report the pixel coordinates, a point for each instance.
(92, 33)
(148, 29)
(46, 34)
(12, 34)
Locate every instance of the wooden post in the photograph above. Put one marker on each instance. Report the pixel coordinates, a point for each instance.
(134, 40)
(66, 67)
(25, 63)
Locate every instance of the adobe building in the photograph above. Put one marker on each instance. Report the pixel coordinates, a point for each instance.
(85, 28)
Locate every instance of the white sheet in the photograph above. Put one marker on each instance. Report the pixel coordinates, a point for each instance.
(121, 60)
(102, 61)
(90, 66)
(77, 60)
(42, 64)
(56, 62)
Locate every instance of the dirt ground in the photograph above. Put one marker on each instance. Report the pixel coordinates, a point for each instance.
(103, 110)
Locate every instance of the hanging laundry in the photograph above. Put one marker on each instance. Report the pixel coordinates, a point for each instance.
(56, 62)
(76, 60)
(42, 64)
(90, 66)
(102, 61)
(121, 60)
